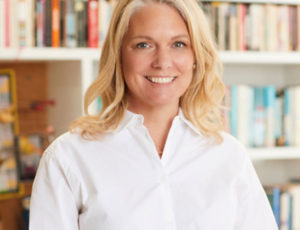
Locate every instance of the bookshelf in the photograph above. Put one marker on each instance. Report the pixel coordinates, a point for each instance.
(70, 71)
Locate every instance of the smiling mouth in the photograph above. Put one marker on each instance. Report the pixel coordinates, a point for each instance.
(160, 80)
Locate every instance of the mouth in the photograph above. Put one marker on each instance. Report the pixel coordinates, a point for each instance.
(160, 80)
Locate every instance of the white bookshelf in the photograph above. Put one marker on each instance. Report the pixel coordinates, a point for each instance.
(80, 54)
(71, 71)
(49, 54)
(260, 57)
(274, 153)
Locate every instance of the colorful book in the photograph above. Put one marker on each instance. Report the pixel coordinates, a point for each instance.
(93, 39)
(70, 24)
(269, 94)
(55, 23)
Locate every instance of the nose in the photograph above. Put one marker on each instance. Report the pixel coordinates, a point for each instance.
(162, 59)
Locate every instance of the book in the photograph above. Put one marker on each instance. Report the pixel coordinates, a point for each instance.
(259, 118)
(48, 23)
(62, 15)
(269, 93)
(2, 24)
(93, 24)
(70, 24)
(55, 23)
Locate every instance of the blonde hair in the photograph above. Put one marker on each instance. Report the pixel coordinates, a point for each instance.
(201, 103)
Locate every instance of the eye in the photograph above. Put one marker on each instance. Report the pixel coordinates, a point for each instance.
(142, 45)
(179, 44)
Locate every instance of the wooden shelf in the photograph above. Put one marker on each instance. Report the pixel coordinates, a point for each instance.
(274, 153)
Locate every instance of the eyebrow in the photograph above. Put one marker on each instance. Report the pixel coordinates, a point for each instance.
(150, 38)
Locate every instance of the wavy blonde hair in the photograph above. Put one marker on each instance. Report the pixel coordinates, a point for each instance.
(201, 103)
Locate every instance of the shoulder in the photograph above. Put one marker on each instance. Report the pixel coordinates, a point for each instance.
(231, 142)
(232, 147)
(66, 146)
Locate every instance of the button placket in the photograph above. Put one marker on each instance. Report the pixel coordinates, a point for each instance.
(167, 200)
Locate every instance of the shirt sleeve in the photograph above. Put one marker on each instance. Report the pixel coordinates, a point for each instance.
(254, 211)
(52, 204)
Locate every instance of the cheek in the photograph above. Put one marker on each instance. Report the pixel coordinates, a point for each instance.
(185, 63)
(132, 64)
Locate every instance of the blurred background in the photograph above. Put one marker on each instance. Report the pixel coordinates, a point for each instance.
(49, 54)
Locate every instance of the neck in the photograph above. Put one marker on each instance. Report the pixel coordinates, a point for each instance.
(158, 121)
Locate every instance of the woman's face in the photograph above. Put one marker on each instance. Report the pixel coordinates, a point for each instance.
(157, 57)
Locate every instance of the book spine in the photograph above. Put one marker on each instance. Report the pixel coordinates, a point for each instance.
(215, 15)
(223, 9)
(70, 24)
(244, 114)
(85, 24)
(7, 22)
(30, 23)
(276, 204)
(259, 126)
(103, 20)
(269, 105)
(241, 26)
(48, 23)
(2, 24)
(285, 202)
(287, 117)
(14, 24)
(43, 21)
(233, 27)
(22, 10)
(93, 24)
(279, 120)
(55, 23)
(292, 24)
(297, 116)
(62, 15)
(79, 28)
(297, 26)
(283, 28)
(39, 24)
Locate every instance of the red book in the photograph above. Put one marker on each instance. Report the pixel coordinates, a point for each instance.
(55, 23)
(7, 22)
(241, 26)
(93, 24)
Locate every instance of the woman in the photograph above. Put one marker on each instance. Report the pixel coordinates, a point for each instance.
(155, 156)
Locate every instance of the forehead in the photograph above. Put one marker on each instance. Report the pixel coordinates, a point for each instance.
(157, 18)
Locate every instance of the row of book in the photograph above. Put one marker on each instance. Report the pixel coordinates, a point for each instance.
(84, 23)
(263, 116)
(54, 23)
(260, 27)
(285, 203)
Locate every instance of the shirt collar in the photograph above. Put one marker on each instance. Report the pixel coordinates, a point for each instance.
(134, 119)
(189, 123)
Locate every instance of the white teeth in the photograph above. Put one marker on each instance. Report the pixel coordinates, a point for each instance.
(161, 80)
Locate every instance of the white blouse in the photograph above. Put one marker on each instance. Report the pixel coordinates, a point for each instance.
(119, 183)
